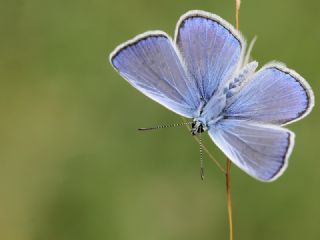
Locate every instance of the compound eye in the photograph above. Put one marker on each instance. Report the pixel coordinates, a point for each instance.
(200, 129)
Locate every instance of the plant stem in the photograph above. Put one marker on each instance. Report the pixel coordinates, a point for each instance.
(229, 206)
(228, 176)
(237, 13)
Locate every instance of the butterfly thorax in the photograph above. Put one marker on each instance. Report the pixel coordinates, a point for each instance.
(208, 113)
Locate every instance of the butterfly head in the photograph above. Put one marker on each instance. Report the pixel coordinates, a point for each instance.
(198, 126)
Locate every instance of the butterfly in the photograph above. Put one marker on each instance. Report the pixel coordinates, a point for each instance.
(202, 74)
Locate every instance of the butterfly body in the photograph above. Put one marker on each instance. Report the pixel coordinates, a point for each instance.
(201, 75)
(210, 113)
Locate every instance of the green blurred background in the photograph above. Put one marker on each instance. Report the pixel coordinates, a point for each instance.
(73, 166)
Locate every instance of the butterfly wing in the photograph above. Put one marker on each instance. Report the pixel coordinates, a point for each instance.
(260, 150)
(151, 63)
(211, 47)
(275, 94)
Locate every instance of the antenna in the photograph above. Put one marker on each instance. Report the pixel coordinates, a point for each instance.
(165, 126)
(201, 158)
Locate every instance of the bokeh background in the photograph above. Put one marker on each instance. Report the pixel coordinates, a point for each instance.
(73, 166)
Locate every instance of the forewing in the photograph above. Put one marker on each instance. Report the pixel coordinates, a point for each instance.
(211, 48)
(260, 150)
(151, 63)
(275, 94)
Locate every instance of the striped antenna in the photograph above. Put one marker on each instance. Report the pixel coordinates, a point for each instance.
(201, 158)
(165, 126)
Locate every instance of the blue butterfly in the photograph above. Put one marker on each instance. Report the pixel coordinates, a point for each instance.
(202, 74)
